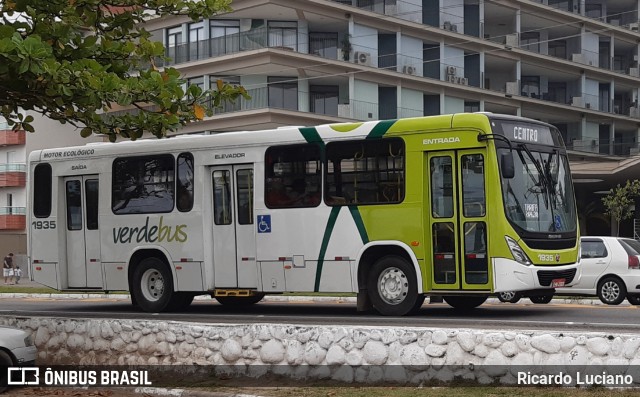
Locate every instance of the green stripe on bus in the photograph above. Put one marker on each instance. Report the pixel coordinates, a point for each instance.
(331, 222)
(357, 218)
(380, 129)
(311, 135)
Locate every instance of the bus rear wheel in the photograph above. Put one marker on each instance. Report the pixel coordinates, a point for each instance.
(240, 300)
(393, 288)
(152, 285)
(465, 302)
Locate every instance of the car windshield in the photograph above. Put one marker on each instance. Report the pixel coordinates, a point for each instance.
(539, 198)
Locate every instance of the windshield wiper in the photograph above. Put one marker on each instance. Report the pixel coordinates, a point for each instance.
(542, 178)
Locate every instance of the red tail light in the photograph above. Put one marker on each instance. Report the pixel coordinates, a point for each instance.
(634, 263)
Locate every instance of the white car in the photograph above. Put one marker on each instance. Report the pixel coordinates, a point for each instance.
(16, 349)
(610, 268)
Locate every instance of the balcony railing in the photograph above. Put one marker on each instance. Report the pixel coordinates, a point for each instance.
(13, 175)
(9, 137)
(13, 218)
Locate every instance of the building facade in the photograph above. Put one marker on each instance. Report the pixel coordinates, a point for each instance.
(572, 63)
(15, 147)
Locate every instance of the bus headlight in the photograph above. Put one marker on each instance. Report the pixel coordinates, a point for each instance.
(518, 253)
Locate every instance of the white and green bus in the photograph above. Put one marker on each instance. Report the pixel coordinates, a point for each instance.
(457, 206)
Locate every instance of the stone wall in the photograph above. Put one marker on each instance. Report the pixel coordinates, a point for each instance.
(351, 354)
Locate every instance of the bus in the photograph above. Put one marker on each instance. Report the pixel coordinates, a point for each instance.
(458, 207)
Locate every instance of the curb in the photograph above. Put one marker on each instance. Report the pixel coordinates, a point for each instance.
(280, 298)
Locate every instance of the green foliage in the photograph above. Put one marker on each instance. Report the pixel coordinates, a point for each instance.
(620, 203)
(72, 60)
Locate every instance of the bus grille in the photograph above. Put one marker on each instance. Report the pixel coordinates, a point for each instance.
(545, 276)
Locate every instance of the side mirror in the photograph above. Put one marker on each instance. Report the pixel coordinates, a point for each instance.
(506, 165)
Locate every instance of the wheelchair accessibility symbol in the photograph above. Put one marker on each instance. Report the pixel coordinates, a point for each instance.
(264, 223)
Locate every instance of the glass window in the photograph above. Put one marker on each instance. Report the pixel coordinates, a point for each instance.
(365, 172)
(593, 249)
(283, 35)
(530, 41)
(143, 185)
(631, 246)
(293, 176)
(244, 187)
(175, 47)
(531, 86)
(473, 194)
(441, 187)
(225, 37)
(324, 99)
(283, 93)
(444, 253)
(476, 263)
(74, 205)
(42, 191)
(222, 197)
(184, 182)
(196, 41)
(324, 44)
(91, 202)
(558, 48)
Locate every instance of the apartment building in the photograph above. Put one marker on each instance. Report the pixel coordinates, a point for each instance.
(572, 63)
(15, 147)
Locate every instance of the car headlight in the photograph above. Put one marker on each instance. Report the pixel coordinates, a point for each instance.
(28, 341)
(518, 253)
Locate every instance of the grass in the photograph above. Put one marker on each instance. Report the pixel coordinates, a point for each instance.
(431, 392)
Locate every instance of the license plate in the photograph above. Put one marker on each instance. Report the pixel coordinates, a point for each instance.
(558, 282)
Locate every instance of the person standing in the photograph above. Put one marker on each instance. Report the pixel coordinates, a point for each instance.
(17, 274)
(7, 268)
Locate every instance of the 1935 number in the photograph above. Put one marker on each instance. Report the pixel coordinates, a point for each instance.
(44, 224)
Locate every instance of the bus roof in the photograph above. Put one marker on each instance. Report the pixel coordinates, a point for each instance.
(281, 135)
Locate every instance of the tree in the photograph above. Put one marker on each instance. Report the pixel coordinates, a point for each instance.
(620, 202)
(71, 60)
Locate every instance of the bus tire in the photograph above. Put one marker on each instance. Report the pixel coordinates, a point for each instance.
(611, 291)
(239, 301)
(152, 286)
(393, 288)
(541, 299)
(180, 301)
(509, 296)
(465, 302)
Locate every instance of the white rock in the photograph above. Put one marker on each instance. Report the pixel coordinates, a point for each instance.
(185, 349)
(617, 346)
(354, 357)
(389, 336)
(344, 373)
(493, 340)
(375, 353)
(546, 343)
(314, 354)
(439, 337)
(496, 364)
(523, 342)
(42, 337)
(455, 355)
(408, 337)
(424, 339)
(509, 349)
(118, 345)
(413, 355)
(481, 351)
(336, 356)
(567, 343)
(435, 350)
(231, 350)
(598, 346)
(630, 347)
(325, 340)
(147, 344)
(272, 352)
(466, 341)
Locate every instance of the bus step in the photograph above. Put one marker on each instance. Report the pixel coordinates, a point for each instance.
(233, 292)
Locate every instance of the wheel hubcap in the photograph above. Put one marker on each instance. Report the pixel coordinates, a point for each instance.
(152, 285)
(393, 286)
(610, 291)
(508, 295)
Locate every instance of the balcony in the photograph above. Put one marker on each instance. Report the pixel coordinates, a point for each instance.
(13, 175)
(13, 218)
(9, 137)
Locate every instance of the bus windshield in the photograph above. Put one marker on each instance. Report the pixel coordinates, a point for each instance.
(540, 197)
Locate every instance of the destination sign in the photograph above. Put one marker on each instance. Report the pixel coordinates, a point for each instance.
(526, 132)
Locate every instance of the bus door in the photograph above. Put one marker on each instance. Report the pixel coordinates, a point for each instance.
(457, 220)
(234, 241)
(84, 269)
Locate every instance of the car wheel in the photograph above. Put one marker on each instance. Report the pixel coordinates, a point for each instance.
(509, 296)
(541, 299)
(634, 299)
(5, 361)
(240, 300)
(465, 302)
(611, 291)
(392, 287)
(152, 285)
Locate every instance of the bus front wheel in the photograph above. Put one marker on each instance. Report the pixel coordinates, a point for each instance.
(152, 285)
(393, 288)
(465, 302)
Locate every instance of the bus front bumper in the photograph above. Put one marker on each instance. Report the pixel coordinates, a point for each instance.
(509, 275)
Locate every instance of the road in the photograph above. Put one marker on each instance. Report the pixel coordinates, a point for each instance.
(553, 316)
